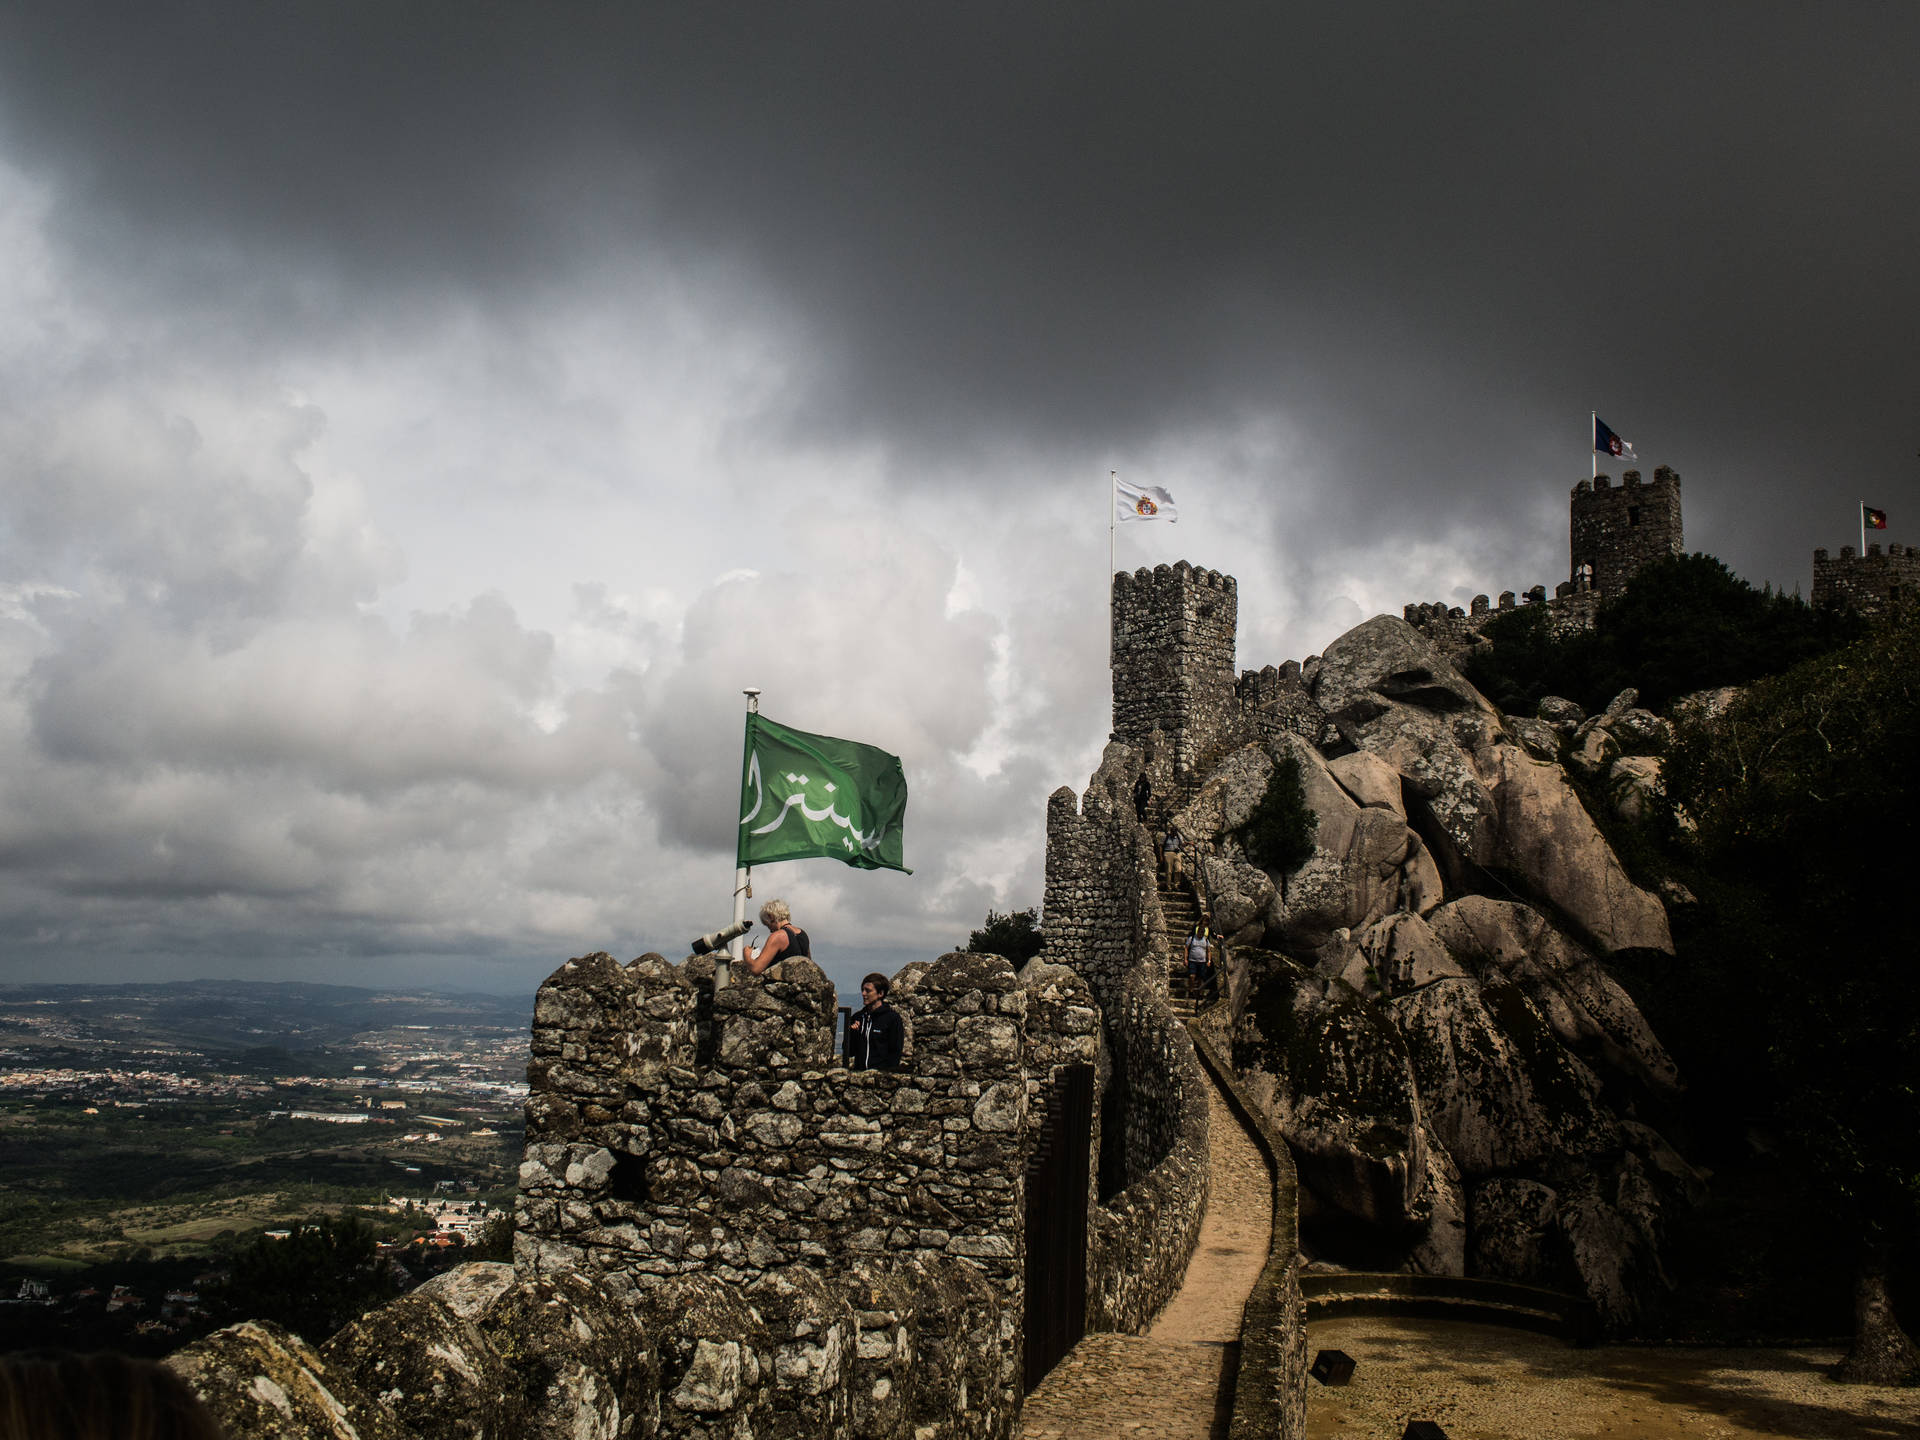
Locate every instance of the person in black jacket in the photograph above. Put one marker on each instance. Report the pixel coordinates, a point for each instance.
(875, 1033)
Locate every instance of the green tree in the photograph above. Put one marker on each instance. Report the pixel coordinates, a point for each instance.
(1799, 809)
(1279, 833)
(326, 1273)
(1016, 935)
(496, 1239)
(1686, 623)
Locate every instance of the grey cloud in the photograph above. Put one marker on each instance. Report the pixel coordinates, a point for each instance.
(1436, 236)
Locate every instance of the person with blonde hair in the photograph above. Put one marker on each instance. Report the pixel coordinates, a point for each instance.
(58, 1395)
(784, 939)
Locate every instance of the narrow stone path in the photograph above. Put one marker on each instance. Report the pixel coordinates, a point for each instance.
(1170, 1384)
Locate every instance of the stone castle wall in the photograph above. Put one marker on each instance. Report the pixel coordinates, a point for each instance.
(1100, 911)
(681, 1135)
(1871, 583)
(654, 1150)
(1140, 1239)
(1612, 532)
(1275, 700)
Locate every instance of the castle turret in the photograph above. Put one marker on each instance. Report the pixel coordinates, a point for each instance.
(1871, 583)
(1613, 532)
(1173, 659)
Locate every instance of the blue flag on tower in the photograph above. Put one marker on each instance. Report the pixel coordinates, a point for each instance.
(1605, 442)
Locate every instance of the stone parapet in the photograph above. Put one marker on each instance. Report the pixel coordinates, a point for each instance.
(649, 1166)
(1141, 1237)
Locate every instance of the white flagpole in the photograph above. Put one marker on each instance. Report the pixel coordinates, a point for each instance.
(1106, 595)
(1863, 529)
(1593, 444)
(1113, 499)
(742, 874)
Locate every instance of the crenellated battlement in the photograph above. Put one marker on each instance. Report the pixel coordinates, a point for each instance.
(1871, 583)
(662, 1142)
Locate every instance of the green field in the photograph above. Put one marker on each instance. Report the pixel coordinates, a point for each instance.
(171, 1181)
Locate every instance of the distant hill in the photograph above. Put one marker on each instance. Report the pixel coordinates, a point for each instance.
(241, 1015)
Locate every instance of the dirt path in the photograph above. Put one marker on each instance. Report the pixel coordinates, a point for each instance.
(1166, 1384)
(1482, 1382)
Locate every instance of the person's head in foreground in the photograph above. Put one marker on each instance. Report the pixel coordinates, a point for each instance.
(54, 1395)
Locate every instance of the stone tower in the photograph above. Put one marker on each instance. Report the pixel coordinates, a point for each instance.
(1613, 532)
(1173, 632)
(1872, 583)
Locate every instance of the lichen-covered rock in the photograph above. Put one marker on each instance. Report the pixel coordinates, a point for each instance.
(1703, 707)
(429, 1366)
(812, 1332)
(262, 1382)
(1536, 737)
(1633, 787)
(1594, 1231)
(1369, 780)
(1587, 1009)
(1241, 894)
(716, 1359)
(1592, 750)
(1336, 1080)
(1641, 732)
(1364, 859)
(1386, 661)
(1406, 954)
(1442, 1215)
(1227, 798)
(1514, 1227)
(578, 1364)
(1612, 1224)
(1562, 714)
(885, 1305)
(1486, 801)
(1546, 835)
(1498, 1089)
(1665, 1166)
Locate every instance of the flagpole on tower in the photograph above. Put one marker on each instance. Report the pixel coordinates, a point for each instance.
(1106, 594)
(743, 874)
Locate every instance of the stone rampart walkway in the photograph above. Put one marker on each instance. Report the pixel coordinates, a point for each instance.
(1170, 1384)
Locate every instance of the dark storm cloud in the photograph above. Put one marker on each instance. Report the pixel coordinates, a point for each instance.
(1434, 235)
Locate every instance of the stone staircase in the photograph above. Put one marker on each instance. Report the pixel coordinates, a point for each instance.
(1181, 913)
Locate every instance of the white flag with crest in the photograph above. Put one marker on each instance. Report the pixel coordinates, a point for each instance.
(1141, 502)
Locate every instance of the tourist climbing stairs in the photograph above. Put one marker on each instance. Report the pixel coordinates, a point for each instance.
(1182, 914)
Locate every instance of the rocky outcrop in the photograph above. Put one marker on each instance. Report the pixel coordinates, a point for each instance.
(265, 1383)
(1500, 1093)
(1586, 1007)
(1484, 800)
(1366, 862)
(1336, 1079)
(1455, 1073)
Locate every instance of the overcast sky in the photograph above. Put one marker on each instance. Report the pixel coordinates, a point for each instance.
(417, 423)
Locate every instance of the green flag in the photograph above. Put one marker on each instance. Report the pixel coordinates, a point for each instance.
(807, 795)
